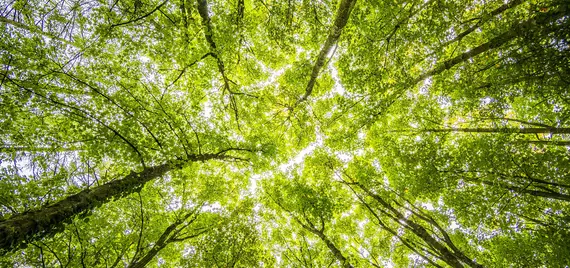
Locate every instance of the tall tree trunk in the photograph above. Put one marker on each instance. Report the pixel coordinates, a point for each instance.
(551, 195)
(453, 257)
(482, 21)
(168, 236)
(342, 15)
(523, 190)
(320, 232)
(549, 142)
(515, 31)
(534, 130)
(335, 251)
(32, 225)
(209, 35)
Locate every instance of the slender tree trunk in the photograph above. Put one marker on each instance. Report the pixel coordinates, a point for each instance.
(342, 15)
(524, 190)
(168, 236)
(160, 244)
(32, 225)
(335, 251)
(503, 130)
(453, 258)
(321, 234)
(551, 195)
(547, 142)
(484, 20)
(209, 35)
(514, 32)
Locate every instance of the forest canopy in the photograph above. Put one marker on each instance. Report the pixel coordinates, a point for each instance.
(265, 133)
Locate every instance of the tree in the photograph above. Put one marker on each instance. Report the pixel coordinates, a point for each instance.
(284, 133)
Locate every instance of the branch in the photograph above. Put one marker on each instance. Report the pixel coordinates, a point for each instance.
(140, 18)
(208, 33)
(33, 30)
(83, 114)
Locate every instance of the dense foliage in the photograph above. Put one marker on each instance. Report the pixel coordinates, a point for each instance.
(238, 133)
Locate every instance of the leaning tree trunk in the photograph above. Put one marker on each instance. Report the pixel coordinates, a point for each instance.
(448, 252)
(550, 194)
(517, 30)
(534, 130)
(342, 16)
(23, 228)
(335, 251)
(168, 236)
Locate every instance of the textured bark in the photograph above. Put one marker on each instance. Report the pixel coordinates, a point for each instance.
(214, 52)
(32, 225)
(515, 31)
(503, 130)
(209, 35)
(161, 243)
(167, 237)
(335, 251)
(342, 15)
(452, 256)
(523, 190)
(484, 20)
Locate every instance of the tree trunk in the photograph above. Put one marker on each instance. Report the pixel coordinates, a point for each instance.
(549, 142)
(551, 195)
(335, 251)
(167, 237)
(534, 130)
(321, 234)
(515, 31)
(453, 258)
(160, 244)
(483, 20)
(342, 15)
(209, 35)
(524, 190)
(32, 225)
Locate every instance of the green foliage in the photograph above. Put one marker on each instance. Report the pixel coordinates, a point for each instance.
(433, 127)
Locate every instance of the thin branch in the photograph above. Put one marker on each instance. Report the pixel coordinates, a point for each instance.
(141, 17)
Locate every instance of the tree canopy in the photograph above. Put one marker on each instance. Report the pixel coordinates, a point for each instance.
(238, 133)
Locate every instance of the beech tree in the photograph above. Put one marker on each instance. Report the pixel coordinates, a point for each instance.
(235, 133)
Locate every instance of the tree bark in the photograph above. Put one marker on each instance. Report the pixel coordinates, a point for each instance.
(503, 130)
(168, 236)
(524, 190)
(33, 225)
(209, 35)
(342, 15)
(453, 258)
(483, 20)
(335, 251)
(514, 32)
